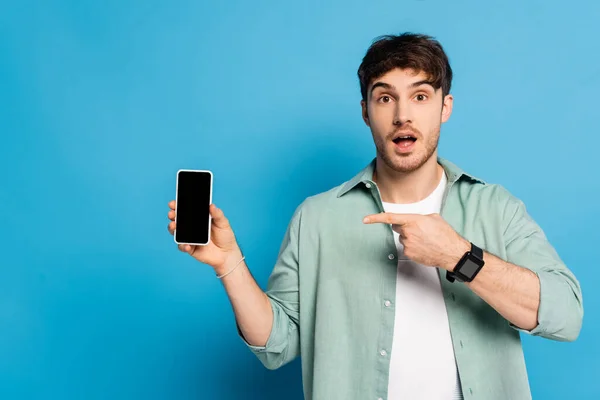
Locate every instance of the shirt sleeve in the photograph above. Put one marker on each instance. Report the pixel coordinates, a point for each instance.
(283, 344)
(560, 312)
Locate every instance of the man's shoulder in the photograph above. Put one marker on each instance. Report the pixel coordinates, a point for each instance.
(478, 186)
(322, 199)
(490, 198)
(320, 205)
(497, 191)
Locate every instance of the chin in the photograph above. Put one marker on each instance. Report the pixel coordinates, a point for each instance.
(407, 165)
(406, 162)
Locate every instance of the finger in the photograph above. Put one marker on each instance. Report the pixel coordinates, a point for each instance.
(185, 248)
(172, 204)
(171, 215)
(397, 228)
(219, 218)
(171, 227)
(387, 218)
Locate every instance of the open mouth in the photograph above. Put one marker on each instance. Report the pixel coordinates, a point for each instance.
(404, 142)
(407, 139)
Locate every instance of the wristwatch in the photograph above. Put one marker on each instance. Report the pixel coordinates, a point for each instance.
(468, 267)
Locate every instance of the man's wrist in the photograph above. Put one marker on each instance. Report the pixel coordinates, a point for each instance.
(231, 260)
(462, 246)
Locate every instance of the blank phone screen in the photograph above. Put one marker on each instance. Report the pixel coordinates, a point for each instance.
(192, 208)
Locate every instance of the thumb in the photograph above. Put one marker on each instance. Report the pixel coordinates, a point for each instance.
(397, 228)
(219, 219)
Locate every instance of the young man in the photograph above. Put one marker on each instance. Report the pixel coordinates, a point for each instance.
(413, 279)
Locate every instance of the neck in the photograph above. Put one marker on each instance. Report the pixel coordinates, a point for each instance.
(407, 187)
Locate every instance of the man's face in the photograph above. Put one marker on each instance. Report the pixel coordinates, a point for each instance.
(402, 103)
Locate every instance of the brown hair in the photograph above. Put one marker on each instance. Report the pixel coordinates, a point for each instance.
(407, 50)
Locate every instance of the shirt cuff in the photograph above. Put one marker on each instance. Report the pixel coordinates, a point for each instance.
(278, 336)
(546, 308)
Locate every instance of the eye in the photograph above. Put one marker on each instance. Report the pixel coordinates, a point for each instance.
(421, 97)
(385, 99)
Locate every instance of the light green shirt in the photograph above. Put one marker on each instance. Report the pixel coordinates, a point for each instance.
(334, 274)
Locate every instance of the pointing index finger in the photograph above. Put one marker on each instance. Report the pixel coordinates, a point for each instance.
(387, 218)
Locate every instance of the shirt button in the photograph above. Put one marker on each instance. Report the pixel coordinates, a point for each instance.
(383, 353)
(387, 303)
(391, 256)
(368, 185)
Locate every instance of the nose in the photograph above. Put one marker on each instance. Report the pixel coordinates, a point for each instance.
(401, 113)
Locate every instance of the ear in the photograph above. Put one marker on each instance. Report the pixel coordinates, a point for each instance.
(365, 112)
(447, 107)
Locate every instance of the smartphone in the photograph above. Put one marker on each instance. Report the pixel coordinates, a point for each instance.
(193, 198)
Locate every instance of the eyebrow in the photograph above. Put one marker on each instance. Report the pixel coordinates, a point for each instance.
(392, 87)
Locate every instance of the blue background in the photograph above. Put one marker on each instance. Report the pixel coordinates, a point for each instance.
(101, 102)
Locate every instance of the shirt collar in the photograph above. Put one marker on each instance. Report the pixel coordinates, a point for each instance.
(453, 172)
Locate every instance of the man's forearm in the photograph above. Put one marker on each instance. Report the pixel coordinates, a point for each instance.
(511, 290)
(251, 305)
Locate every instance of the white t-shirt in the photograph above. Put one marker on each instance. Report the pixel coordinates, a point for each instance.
(422, 364)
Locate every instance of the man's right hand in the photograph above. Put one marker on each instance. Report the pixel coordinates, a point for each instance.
(251, 306)
(222, 252)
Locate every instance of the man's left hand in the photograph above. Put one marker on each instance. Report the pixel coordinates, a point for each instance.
(427, 239)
